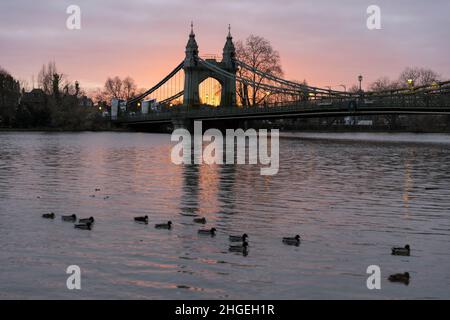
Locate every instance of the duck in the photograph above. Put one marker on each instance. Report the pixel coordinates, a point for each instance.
(84, 226)
(209, 232)
(141, 219)
(71, 218)
(400, 277)
(167, 225)
(239, 248)
(97, 189)
(86, 220)
(399, 251)
(242, 238)
(50, 215)
(200, 220)
(92, 196)
(292, 241)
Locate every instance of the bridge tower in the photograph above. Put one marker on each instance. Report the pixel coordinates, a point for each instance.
(195, 73)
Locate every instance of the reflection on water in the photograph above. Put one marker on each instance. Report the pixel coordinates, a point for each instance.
(350, 198)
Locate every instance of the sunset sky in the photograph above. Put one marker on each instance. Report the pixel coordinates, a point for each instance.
(324, 42)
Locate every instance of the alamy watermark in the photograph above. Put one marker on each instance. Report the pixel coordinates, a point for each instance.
(213, 153)
(74, 280)
(73, 21)
(374, 280)
(374, 19)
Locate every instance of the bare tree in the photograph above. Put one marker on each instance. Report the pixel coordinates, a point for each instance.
(113, 88)
(258, 53)
(354, 89)
(24, 84)
(117, 88)
(419, 76)
(46, 78)
(129, 88)
(384, 83)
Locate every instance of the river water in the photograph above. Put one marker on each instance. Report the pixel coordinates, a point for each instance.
(351, 197)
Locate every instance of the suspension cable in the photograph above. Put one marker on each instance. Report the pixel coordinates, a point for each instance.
(162, 82)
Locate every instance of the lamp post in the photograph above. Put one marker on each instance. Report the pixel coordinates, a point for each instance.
(360, 79)
(410, 83)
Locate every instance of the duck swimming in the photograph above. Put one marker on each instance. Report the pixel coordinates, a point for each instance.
(209, 232)
(242, 248)
(400, 277)
(200, 220)
(294, 241)
(141, 219)
(239, 238)
(50, 215)
(84, 226)
(167, 225)
(71, 218)
(86, 220)
(399, 251)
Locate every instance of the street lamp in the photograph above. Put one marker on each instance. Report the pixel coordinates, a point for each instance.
(410, 83)
(360, 79)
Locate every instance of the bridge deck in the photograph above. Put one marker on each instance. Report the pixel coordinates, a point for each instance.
(413, 105)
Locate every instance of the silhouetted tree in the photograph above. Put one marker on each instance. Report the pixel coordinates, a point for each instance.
(384, 83)
(46, 78)
(258, 53)
(9, 97)
(117, 88)
(420, 76)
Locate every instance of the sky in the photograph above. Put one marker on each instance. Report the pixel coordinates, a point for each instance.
(325, 42)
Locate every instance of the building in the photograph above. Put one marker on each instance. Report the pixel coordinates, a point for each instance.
(84, 101)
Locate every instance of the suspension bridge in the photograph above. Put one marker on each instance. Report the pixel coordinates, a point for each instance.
(206, 88)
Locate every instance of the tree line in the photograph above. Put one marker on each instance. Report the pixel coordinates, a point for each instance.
(57, 103)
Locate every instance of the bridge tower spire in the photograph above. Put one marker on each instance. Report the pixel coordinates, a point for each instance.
(191, 80)
(229, 64)
(191, 48)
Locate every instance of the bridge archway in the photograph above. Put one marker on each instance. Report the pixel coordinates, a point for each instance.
(210, 91)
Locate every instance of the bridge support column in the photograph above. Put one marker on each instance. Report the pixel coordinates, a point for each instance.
(191, 87)
(228, 95)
